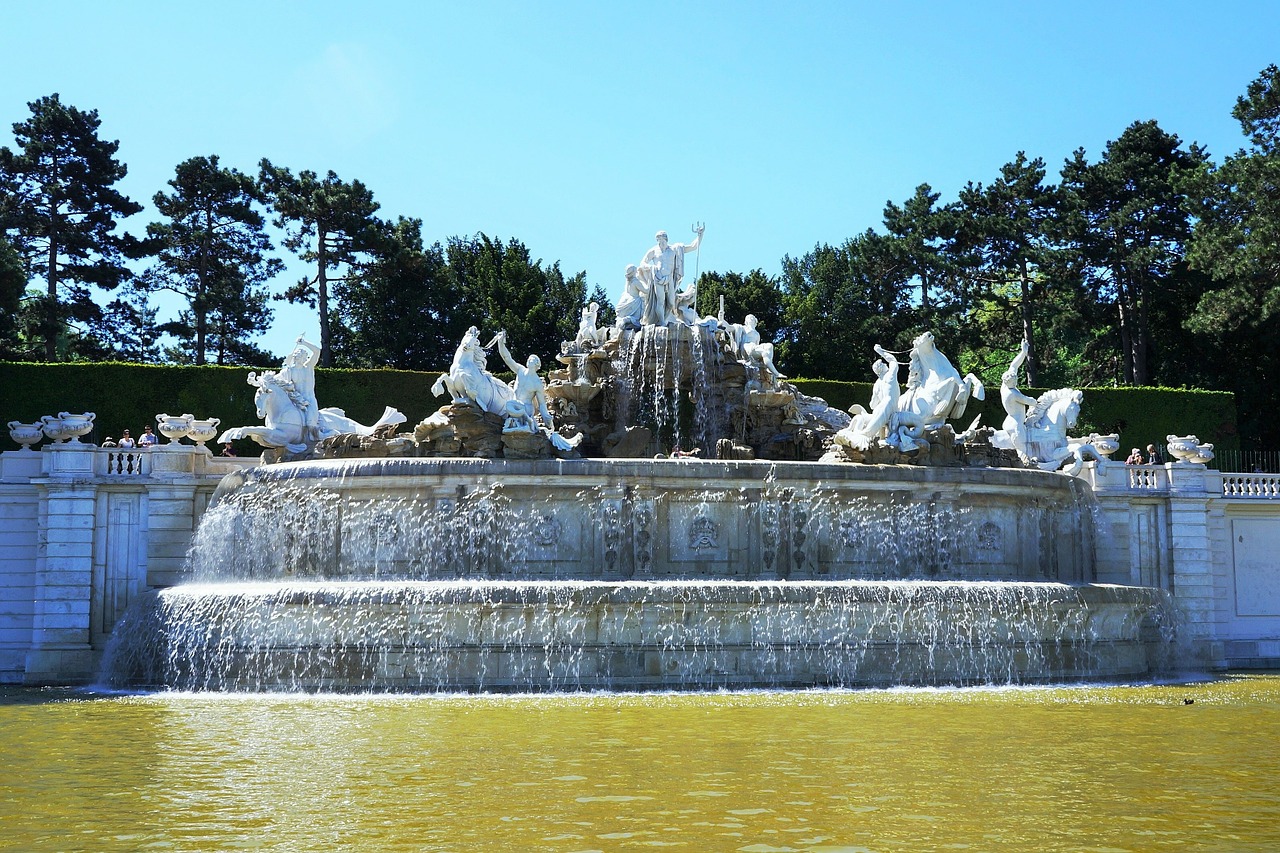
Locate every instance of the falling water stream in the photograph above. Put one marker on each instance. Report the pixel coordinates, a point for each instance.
(333, 584)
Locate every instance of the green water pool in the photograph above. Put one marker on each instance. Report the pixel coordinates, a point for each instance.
(1192, 766)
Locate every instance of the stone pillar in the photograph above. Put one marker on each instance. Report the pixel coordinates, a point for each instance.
(1191, 552)
(171, 511)
(60, 651)
(19, 547)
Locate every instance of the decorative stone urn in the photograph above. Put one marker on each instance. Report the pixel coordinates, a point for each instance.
(74, 426)
(53, 428)
(26, 434)
(174, 427)
(203, 430)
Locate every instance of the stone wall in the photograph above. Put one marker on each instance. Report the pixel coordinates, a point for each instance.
(83, 530)
(1212, 539)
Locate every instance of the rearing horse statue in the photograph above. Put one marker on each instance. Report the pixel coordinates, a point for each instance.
(469, 380)
(935, 393)
(286, 424)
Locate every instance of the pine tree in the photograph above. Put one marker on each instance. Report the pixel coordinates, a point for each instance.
(330, 223)
(63, 211)
(212, 252)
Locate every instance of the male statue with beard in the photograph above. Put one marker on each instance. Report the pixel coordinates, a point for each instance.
(664, 264)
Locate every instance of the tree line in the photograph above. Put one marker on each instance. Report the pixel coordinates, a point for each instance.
(383, 297)
(1149, 264)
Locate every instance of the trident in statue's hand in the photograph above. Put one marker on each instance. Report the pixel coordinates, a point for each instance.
(699, 227)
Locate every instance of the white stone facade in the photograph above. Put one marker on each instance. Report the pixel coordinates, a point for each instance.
(83, 530)
(1210, 538)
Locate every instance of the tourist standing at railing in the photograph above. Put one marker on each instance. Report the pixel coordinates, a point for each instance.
(126, 441)
(148, 438)
(1154, 456)
(109, 442)
(1135, 457)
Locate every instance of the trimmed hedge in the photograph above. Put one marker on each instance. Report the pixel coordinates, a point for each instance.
(131, 395)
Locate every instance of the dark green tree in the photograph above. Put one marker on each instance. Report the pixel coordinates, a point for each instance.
(922, 234)
(607, 314)
(1128, 222)
(1005, 244)
(1237, 244)
(504, 288)
(63, 210)
(402, 308)
(126, 330)
(839, 303)
(330, 223)
(213, 252)
(749, 293)
(13, 286)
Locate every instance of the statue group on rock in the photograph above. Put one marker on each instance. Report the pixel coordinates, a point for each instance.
(294, 422)
(652, 294)
(913, 420)
(763, 416)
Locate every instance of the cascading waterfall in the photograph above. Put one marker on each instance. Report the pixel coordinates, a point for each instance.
(468, 575)
(670, 379)
(575, 635)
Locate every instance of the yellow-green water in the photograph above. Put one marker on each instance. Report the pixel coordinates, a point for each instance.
(1102, 769)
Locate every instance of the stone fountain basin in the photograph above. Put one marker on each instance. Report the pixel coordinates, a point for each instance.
(613, 520)
(527, 636)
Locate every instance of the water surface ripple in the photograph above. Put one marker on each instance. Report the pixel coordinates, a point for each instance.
(1080, 768)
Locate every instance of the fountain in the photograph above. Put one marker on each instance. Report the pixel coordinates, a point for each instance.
(523, 538)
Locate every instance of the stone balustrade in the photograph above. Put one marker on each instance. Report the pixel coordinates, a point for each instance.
(1261, 486)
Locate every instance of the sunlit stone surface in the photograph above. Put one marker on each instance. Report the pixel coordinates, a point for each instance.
(437, 574)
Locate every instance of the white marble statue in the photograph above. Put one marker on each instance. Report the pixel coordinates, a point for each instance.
(868, 426)
(748, 347)
(663, 265)
(1012, 434)
(298, 378)
(530, 393)
(935, 393)
(1037, 428)
(285, 400)
(589, 334)
(634, 300)
(529, 403)
(1043, 441)
(469, 380)
(940, 393)
(1187, 448)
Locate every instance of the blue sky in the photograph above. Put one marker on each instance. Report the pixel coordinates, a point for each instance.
(582, 128)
